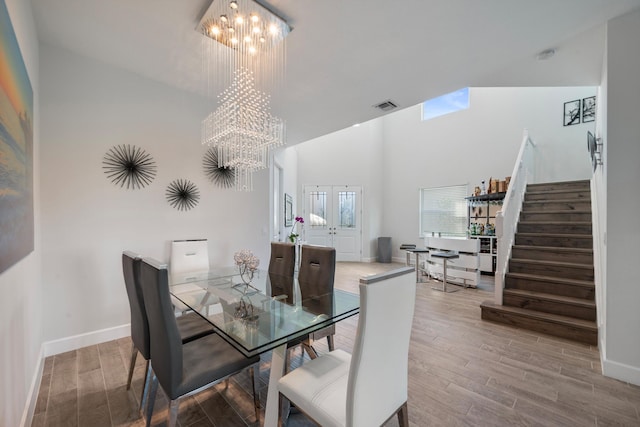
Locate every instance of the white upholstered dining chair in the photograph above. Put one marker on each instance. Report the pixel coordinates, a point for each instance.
(189, 256)
(369, 387)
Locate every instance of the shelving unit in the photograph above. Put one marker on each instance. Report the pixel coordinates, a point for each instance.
(482, 210)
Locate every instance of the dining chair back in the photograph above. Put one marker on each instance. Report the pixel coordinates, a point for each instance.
(184, 368)
(189, 256)
(281, 269)
(316, 278)
(317, 271)
(191, 326)
(368, 387)
(381, 352)
(139, 324)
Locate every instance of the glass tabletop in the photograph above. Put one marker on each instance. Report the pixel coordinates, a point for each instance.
(261, 315)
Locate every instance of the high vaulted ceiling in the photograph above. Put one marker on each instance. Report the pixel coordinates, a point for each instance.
(346, 56)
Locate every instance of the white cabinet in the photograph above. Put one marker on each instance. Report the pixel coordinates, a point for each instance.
(488, 252)
(462, 270)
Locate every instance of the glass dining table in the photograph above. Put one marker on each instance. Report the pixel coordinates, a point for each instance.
(260, 316)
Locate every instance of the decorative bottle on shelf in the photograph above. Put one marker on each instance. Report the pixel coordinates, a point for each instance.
(483, 189)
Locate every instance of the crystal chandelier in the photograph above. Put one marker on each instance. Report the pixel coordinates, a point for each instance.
(244, 52)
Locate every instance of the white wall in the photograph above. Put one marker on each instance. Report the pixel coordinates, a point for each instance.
(599, 211)
(622, 142)
(21, 302)
(351, 156)
(287, 158)
(87, 108)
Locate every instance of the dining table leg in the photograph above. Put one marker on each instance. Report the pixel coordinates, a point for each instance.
(278, 358)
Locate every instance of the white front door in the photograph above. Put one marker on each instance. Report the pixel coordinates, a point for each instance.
(333, 217)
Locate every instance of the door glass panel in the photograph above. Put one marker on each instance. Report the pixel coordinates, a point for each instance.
(347, 209)
(318, 209)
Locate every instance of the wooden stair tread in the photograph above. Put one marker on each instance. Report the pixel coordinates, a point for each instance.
(553, 263)
(561, 191)
(569, 200)
(555, 222)
(562, 280)
(558, 211)
(542, 316)
(552, 297)
(570, 235)
(572, 181)
(552, 248)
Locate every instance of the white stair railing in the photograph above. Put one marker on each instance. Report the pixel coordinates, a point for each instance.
(507, 217)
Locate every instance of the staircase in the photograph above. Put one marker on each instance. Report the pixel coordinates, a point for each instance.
(550, 285)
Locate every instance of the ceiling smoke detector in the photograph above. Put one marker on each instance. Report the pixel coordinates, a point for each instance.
(387, 105)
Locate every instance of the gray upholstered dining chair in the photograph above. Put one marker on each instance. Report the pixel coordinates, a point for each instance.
(316, 278)
(369, 387)
(185, 369)
(281, 269)
(190, 326)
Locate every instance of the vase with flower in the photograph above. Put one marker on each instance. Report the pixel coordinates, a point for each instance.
(293, 236)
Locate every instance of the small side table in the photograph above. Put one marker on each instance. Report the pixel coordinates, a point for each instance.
(417, 252)
(444, 256)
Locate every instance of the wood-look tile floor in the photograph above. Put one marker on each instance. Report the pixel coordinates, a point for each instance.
(463, 371)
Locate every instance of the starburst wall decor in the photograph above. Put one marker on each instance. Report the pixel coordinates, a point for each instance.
(182, 194)
(130, 165)
(220, 175)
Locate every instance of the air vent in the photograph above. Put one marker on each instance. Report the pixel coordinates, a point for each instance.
(387, 105)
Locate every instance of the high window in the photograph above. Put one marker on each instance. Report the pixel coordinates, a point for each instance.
(445, 104)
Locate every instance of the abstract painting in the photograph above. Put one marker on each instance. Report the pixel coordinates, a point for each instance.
(16, 149)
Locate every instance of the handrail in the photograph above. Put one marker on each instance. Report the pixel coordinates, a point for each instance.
(507, 217)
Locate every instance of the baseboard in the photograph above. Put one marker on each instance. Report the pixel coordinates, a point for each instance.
(620, 371)
(83, 340)
(32, 397)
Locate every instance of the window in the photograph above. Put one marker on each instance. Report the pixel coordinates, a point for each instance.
(445, 104)
(444, 210)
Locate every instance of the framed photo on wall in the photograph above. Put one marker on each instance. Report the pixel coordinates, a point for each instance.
(288, 210)
(571, 113)
(588, 109)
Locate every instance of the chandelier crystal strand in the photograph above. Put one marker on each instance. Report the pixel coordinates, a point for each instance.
(245, 47)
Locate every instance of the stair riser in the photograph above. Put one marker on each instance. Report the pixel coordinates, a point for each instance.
(555, 216)
(546, 228)
(562, 195)
(554, 307)
(566, 272)
(557, 241)
(553, 255)
(586, 292)
(582, 205)
(571, 332)
(553, 186)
